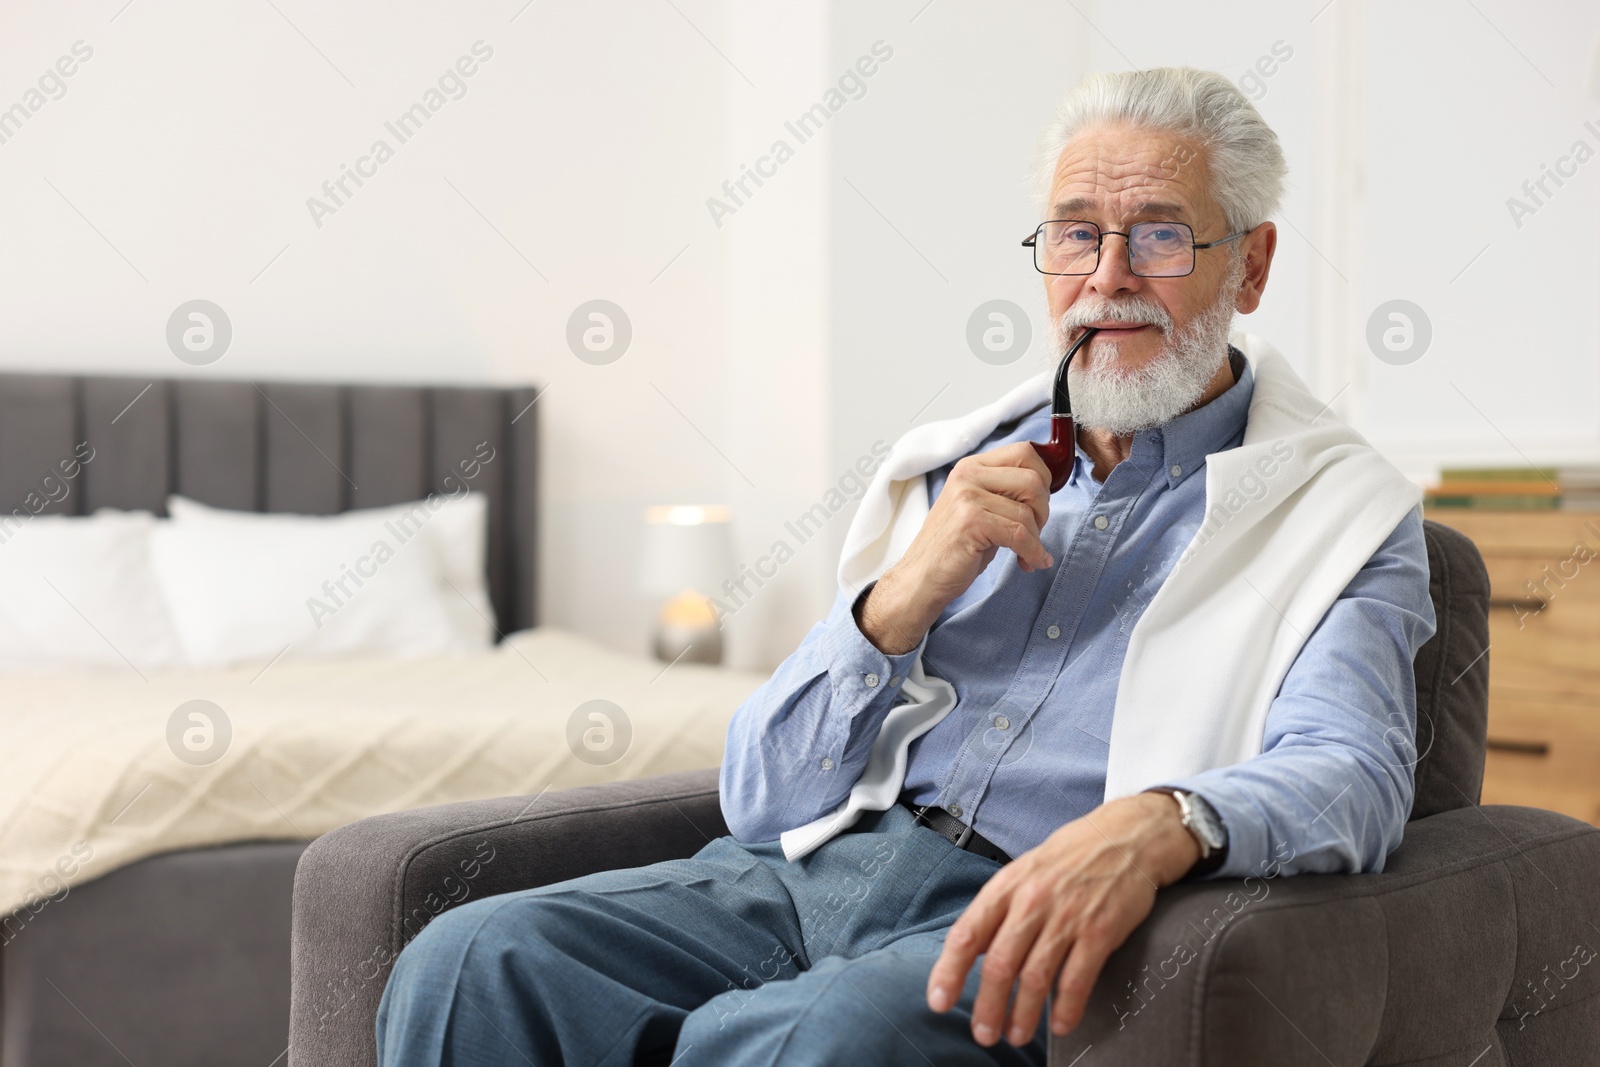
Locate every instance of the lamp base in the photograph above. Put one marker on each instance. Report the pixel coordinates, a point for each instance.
(687, 629)
(675, 642)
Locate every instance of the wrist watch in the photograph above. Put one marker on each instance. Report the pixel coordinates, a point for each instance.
(1202, 821)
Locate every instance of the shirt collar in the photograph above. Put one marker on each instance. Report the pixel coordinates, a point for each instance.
(1184, 442)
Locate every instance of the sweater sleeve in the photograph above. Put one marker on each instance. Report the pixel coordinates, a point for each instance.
(1333, 785)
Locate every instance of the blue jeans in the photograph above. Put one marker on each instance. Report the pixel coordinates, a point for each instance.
(734, 956)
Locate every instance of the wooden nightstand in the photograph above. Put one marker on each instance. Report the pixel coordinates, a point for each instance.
(1544, 659)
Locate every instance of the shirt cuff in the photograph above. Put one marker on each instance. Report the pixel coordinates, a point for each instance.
(1249, 852)
(859, 671)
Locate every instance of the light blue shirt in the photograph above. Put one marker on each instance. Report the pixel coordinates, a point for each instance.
(1035, 661)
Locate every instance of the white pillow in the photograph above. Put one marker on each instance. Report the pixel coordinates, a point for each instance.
(379, 581)
(80, 592)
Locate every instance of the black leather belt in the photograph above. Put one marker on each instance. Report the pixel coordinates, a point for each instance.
(954, 830)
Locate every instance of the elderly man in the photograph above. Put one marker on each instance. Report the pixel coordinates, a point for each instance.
(1028, 710)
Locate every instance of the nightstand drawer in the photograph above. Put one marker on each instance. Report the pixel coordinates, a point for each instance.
(1550, 535)
(1544, 753)
(1545, 638)
(1536, 582)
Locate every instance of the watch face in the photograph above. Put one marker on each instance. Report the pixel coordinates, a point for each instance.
(1206, 822)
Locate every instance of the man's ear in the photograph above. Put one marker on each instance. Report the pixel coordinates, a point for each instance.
(1257, 246)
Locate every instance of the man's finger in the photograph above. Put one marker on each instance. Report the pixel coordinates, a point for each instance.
(963, 944)
(1008, 508)
(1015, 535)
(1033, 982)
(1084, 962)
(1024, 485)
(1002, 963)
(1008, 523)
(1016, 454)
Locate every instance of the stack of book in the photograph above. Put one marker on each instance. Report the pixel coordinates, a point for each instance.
(1517, 488)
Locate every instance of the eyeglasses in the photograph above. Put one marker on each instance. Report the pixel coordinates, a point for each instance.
(1155, 249)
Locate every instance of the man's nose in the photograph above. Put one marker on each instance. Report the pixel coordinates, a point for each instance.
(1113, 274)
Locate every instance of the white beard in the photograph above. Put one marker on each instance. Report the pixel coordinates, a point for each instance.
(1108, 398)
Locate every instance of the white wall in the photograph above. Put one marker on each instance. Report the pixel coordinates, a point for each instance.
(830, 309)
(1452, 131)
(777, 367)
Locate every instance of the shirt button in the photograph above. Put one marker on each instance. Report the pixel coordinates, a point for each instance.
(1176, 470)
(894, 679)
(1053, 632)
(1101, 522)
(1002, 722)
(954, 809)
(827, 763)
(872, 681)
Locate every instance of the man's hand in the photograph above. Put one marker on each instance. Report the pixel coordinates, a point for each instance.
(1074, 899)
(992, 500)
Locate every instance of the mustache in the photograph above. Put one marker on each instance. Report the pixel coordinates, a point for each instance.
(1135, 311)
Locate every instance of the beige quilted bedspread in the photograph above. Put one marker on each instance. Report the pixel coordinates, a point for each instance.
(89, 780)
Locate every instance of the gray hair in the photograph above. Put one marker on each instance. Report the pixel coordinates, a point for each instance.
(1246, 164)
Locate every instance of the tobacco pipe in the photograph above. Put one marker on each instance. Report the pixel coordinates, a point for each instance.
(1059, 451)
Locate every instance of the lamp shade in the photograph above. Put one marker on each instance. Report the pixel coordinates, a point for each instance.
(685, 547)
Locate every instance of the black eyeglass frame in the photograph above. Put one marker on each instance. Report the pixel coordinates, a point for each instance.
(1032, 241)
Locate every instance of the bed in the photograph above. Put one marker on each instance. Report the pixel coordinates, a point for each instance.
(148, 898)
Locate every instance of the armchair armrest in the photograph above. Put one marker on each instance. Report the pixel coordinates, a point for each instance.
(364, 890)
(1435, 958)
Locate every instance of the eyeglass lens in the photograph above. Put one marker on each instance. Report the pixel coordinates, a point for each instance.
(1155, 249)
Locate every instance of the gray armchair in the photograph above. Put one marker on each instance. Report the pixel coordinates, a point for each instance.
(1476, 946)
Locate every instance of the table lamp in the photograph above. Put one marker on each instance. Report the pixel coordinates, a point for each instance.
(687, 552)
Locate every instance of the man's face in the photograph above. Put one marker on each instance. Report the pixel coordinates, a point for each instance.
(1116, 176)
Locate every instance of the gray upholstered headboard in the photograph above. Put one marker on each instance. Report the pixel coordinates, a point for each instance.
(277, 446)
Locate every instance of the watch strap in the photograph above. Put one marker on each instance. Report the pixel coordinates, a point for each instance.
(1218, 855)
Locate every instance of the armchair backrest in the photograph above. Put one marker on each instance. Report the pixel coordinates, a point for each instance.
(1453, 676)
